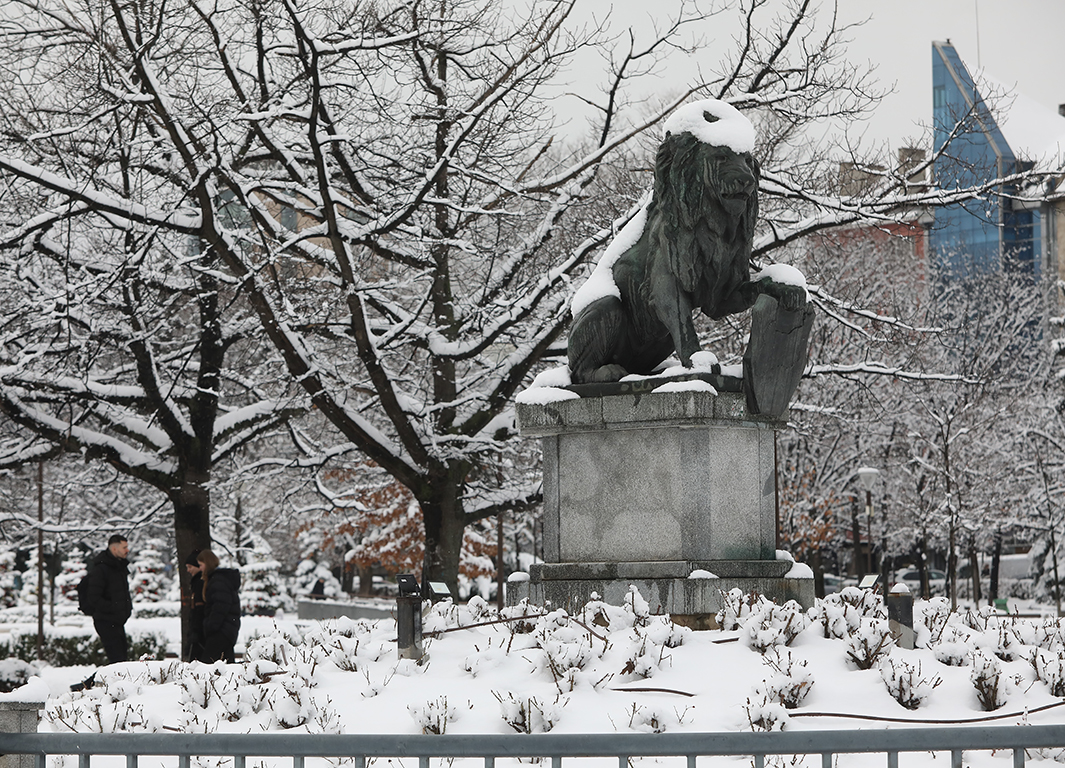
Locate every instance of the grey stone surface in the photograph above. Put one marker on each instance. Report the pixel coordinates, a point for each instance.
(633, 411)
(551, 516)
(729, 406)
(643, 489)
(665, 595)
(659, 494)
(19, 717)
(332, 609)
(668, 569)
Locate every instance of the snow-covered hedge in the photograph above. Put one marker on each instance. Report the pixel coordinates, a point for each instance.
(70, 647)
(533, 669)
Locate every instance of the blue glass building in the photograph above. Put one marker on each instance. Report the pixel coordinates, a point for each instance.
(986, 235)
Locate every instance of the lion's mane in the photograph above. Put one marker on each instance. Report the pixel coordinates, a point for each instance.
(706, 245)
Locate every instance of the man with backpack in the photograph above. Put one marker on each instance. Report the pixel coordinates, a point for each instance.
(106, 597)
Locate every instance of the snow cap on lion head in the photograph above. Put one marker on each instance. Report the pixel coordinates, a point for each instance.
(713, 122)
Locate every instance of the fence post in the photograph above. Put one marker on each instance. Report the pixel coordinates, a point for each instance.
(19, 717)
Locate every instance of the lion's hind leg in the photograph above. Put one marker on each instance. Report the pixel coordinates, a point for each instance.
(596, 338)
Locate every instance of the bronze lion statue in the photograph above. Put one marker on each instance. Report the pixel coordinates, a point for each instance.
(694, 252)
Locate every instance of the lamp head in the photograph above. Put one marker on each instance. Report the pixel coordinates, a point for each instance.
(867, 477)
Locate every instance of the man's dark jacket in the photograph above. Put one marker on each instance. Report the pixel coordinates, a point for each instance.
(109, 588)
(222, 612)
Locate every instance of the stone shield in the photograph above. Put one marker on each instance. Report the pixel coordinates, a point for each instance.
(775, 356)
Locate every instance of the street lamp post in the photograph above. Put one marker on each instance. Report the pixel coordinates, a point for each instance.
(867, 477)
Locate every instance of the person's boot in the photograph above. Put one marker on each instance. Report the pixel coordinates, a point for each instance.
(88, 682)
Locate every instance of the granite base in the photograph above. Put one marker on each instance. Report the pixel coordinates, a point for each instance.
(665, 585)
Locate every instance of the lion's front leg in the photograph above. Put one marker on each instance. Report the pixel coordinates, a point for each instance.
(674, 307)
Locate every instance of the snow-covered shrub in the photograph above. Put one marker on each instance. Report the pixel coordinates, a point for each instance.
(952, 654)
(989, 681)
(1050, 669)
(765, 715)
(14, 673)
(791, 683)
(516, 617)
(565, 645)
(307, 574)
(637, 606)
(1008, 645)
(69, 647)
(641, 659)
(1050, 635)
(433, 716)
(841, 613)
(9, 588)
(646, 719)
(771, 625)
(480, 609)
(930, 618)
(871, 641)
(528, 715)
(905, 683)
(736, 605)
(66, 582)
(983, 618)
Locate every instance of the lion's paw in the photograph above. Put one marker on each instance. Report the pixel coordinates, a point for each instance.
(607, 373)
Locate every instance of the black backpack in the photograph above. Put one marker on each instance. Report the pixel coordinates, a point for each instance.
(83, 595)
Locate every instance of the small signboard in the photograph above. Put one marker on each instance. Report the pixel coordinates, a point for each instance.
(869, 580)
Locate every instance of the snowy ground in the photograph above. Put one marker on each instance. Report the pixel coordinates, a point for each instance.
(608, 670)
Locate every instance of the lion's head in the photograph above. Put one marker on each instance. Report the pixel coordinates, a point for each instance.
(704, 209)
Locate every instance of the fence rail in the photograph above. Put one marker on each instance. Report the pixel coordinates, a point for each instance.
(554, 746)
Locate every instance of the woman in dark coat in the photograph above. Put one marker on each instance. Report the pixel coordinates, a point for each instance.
(221, 611)
(194, 651)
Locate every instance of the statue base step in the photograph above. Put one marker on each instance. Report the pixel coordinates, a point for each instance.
(667, 586)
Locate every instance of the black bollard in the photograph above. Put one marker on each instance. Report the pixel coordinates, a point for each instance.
(409, 617)
(900, 615)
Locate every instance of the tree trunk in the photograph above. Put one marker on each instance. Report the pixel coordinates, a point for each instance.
(996, 560)
(445, 522)
(192, 531)
(365, 580)
(974, 571)
(819, 572)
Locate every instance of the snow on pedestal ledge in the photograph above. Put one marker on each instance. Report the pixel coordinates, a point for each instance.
(544, 395)
(798, 570)
(700, 573)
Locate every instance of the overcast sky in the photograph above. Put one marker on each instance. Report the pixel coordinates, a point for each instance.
(1017, 42)
(1021, 44)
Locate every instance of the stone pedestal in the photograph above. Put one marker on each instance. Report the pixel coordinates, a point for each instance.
(19, 717)
(646, 489)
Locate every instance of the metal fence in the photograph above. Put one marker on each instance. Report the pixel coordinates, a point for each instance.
(553, 747)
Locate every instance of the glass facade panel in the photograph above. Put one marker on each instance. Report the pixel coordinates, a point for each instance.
(978, 236)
